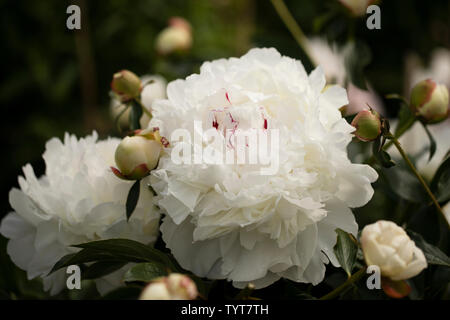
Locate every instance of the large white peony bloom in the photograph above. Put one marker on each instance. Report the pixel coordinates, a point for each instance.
(78, 200)
(229, 221)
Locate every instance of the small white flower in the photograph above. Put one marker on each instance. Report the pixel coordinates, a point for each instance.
(387, 246)
(173, 287)
(77, 200)
(229, 221)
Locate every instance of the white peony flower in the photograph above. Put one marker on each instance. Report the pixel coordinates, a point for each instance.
(389, 247)
(151, 92)
(78, 200)
(229, 221)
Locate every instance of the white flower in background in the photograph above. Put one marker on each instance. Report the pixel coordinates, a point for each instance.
(176, 37)
(228, 221)
(438, 69)
(357, 7)
(387, 245)
(417, 144)
(77, 200)
(173, 287)
(150, 92)
(446, 210)
(332, 60)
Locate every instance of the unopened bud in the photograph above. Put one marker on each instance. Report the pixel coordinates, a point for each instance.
(367, 124)
(173, 287)
(176, 37)
(135, 157)
(429, 101)
(126, 85)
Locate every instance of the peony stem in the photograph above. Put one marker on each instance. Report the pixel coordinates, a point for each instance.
(293, 27)
(400, 133)
(353, 278)
(419, 177)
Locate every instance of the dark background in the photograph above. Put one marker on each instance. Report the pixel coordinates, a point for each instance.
(56, 80)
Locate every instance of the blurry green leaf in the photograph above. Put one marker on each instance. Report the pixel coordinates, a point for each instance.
(102, 268)
(146, 271)
(404, 184)
(132, 198)
(346, 250)
(433, 254)
(441, 181)
(357, 57)
(382, 156)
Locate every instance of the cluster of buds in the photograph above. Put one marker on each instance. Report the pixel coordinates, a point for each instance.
(173, 287)
(429, 101)
(137, 155)
(126, 85)
(176, 37)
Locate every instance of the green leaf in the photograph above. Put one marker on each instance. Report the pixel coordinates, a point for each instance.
(432, 142)
(126, 249)
(441, 181)
(433, 254)
(102, 268)
(114, 250)
(135, 116)
(132, 198)
(146, 271)
(346, 250)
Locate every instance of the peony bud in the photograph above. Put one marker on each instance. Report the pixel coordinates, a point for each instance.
(135, 157)
(357, 7)
(126, 85)
(389, 247)
(367, 124)
(429, 101)
(176, 37)
(174, 287)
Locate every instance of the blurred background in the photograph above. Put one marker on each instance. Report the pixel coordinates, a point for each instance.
(57, 80)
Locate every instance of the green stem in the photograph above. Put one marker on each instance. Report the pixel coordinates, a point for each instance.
(400, 132)
(354, 278)
(419, 177)
(293, 27)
